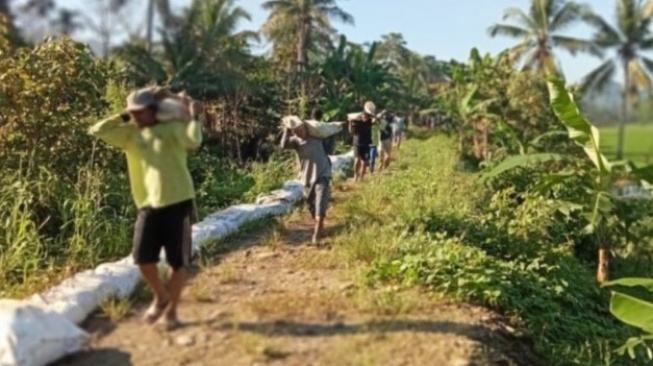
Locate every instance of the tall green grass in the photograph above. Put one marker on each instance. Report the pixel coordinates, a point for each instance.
(53, 225)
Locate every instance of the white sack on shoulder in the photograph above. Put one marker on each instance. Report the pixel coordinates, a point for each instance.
(291, 121)
(354, 116)
(171, 109)
(317, 129)
(323, 130)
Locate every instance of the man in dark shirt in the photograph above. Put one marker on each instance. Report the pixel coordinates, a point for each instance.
(315, 172)
(361, 129)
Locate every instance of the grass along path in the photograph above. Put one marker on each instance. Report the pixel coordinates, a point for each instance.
(265, 297)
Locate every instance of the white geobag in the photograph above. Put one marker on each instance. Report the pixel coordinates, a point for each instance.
(171, 109)
(317, 129)
(357, 115)
(354, 116)
(32, 336)
(171, 106)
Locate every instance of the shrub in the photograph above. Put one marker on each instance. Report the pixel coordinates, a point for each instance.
(507, 249)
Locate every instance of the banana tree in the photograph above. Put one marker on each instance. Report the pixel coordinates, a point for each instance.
(598, 204)
(334, 85)
(201, 54)
(475, 117)
(349, 76)
(475, 103)
(635, 312)
(371, 80)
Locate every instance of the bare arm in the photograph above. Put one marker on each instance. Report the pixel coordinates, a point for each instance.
(287, 141)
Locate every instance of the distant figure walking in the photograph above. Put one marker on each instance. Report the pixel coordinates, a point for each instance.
(315, 171)
(385, 139)
(398, 128)
(162, 189)
(361, 129)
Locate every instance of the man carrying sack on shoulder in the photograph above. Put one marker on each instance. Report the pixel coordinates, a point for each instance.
(360, 127)
(315, 170)
(156, 145)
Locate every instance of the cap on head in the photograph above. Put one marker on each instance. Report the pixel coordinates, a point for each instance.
(293, 122)
(370, 108)
(141, 99)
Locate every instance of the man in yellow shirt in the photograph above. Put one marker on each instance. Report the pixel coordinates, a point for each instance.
(162, 189)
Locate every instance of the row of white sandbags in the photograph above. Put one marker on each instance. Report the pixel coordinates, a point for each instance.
(42, 329)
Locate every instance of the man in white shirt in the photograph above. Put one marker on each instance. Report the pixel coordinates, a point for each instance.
(398, 128)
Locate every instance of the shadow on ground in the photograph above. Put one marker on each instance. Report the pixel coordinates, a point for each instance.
(290, 328)
(495, 346)
(98, 357)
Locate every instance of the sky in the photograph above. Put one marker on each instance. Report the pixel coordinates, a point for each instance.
(447, 29)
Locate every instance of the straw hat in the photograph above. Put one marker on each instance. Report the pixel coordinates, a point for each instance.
(292, 122)
(370, 108)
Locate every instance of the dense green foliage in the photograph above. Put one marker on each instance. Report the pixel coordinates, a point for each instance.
(444, 232)
(65, 197)
(507, 207)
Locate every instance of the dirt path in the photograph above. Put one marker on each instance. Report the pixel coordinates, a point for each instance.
(274, 300)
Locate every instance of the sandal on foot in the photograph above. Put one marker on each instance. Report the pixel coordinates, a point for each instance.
(154, 312)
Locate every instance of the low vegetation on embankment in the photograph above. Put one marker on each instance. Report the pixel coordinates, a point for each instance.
(65, 203)
(433, 225)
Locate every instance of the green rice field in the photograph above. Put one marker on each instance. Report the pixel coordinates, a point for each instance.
(638, 144)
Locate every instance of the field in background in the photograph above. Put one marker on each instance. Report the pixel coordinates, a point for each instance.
(638, 143)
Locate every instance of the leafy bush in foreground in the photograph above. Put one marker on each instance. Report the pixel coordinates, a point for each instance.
(65, 201)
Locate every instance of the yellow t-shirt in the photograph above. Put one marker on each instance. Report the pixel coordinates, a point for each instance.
(156, 158)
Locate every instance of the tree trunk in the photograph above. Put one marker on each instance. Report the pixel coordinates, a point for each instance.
(461, 140)
(485, 140)
(476, 148)
(301, 37)
(624, 112)
(150, 25)
(604, 262)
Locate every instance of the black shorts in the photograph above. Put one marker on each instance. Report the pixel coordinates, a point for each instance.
(166, 227)
(317, 197)
(362, 152)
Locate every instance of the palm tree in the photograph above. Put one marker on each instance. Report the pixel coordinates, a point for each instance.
(630, 39)
(393, 51)
(219, 19)
(67, 22)
(162, 7)
(301, 22)
(201, 53)
(539, 31)
(42, 8)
